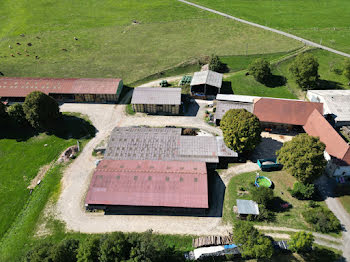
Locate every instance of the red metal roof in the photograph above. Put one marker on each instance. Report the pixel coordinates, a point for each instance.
(21, 86)
(336, 146)
(149, 183)
(285, 111)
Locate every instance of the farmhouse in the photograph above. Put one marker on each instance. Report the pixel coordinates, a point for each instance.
(284, 113)
(206, 84)
(335, 103)
(167, 144)
(65, 89)
(156, 100)
(149, 186)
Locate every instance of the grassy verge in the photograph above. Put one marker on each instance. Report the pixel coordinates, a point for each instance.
(129, 110)
(282, 218)
(343, 194)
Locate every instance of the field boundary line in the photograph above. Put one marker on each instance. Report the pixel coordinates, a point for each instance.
(307, 42)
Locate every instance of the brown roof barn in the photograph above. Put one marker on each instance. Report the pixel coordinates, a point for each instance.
(149, 183)
(285, 111)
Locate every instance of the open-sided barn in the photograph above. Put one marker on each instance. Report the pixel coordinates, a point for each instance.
(63, 89)
(206, 84)
(148, 184)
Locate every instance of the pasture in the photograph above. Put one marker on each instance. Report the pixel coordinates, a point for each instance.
(321, 21)
(127, 39)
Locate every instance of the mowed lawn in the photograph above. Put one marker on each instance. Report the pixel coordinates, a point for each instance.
(322, 21)
(165, 34)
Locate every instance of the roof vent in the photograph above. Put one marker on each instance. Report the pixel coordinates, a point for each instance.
(167, 178)
(149, 178)
(135, 178)
(195, 179)
(117, 177)
(181, 179)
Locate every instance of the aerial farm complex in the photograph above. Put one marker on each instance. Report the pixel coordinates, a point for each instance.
(175, 130)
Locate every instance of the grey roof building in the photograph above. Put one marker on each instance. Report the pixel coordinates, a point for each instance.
(223, 106)
(247, 207)
(335, 102)
(156, 96)
(142, 143)
(206, 83)
(236, 98)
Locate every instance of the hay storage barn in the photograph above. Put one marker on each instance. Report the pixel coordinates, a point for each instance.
(98, 90)
(156, 100)
(206, 84)
(146, 186)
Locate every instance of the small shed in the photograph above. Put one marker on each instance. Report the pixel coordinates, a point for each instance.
(206, 84)
(156, 100)
(247, 207)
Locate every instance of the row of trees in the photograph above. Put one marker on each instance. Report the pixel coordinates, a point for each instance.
(38, 110)
(105, 248)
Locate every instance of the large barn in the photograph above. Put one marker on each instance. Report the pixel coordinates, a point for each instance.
(156, 100)
(98, 90)
(133, 186)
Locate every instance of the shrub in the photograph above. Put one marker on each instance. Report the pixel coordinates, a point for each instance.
(216, 65)
(322, 220)
(262, 195)
(303, 191)
(303, 157)
(305, 71)
(241, 130)
(260, 69)
(301, 242)
(17, 115)
(264, 214)
(40, 109)
(189, 132)
(347, 69)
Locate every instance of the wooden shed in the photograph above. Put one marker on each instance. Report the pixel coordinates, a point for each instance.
(206, 84)
(156, 100)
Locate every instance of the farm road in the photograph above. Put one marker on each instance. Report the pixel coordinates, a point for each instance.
(307, 42)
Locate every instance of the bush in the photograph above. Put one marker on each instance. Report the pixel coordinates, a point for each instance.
(303, 157)
(322, 220)
(17, 115)
(301, 242)
(260, 69)
(216, 65)
(347, 69)
(189, 132)
(41, 110)
(262, 195)
(241, 130)
(303, 191)
(88, 250)
(305, 71)
(264, 214)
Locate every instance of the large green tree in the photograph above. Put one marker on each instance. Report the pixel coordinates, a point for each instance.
(3, 113)
(301, 242)
(303, 157)
(260, 69)
(216, 65)
(262, 195)
(253, 244)
(241, 129)
(114, 247)
(65, 251)
(305, 71)
(16, 114)
(88, 250)
(40, 109)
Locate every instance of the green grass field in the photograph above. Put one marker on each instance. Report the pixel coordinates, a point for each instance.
(110, 45)
(291, 218)
(322, 21)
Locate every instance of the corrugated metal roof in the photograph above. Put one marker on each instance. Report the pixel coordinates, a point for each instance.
(223, 106)
(207, 77)
(284, 111)
(21, 86)
(247, 207)
(156, 96)
(141, 143)
(336, 146)
(236, 98)
(149, 183)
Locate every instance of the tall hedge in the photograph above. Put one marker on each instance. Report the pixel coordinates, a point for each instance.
(241, 130)
(40, 110)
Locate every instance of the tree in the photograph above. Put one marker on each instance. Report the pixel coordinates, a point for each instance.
(65, 251)
(262, 195)
(3, 113)
(305, 71)
(88, 250)
(303, 191)
(40, 109)
(114, 248)
(241, 130)
(40, 253)
(252, 243)
(322, 220)
(303, 157)
(216, 65)
(301, 242)
(347, 69)
(16, 114)
(260, 69)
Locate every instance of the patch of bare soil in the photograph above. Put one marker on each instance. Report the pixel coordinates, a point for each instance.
(42, 171)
